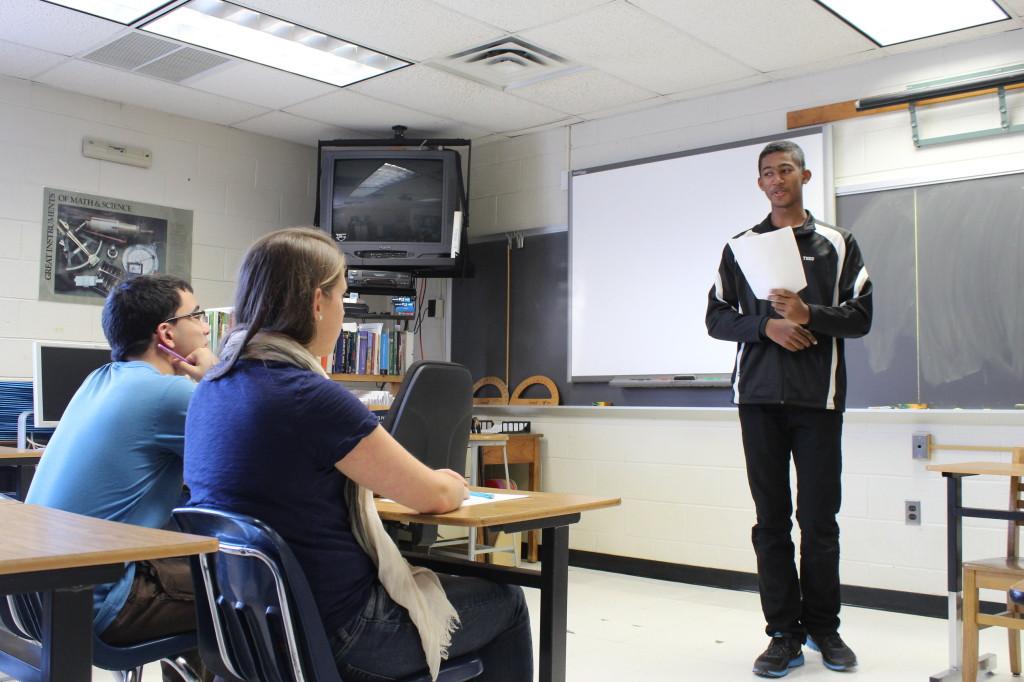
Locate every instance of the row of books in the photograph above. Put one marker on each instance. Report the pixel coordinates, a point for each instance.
(220, 322)
(368, 348)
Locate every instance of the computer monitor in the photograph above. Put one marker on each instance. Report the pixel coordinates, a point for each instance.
(58, 369)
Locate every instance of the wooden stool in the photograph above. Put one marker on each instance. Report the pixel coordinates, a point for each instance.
(1000, 573)
(522, 448)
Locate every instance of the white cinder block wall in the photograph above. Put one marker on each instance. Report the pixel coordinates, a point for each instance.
(240, 185)
(680, 471)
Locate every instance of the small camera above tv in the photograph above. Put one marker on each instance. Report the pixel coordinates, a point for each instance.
(392, 209)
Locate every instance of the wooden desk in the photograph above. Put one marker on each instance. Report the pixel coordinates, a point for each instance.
(551, 512)
(954, 474)
(63, 555)
(26, 461)
(521, 448)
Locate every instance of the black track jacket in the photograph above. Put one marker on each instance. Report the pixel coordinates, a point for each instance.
(838, 294)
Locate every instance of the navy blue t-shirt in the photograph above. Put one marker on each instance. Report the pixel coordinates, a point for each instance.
(263, 440)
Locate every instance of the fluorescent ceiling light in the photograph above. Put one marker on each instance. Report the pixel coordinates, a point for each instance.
(887, 22)
(260, 38)
(388, 174)
(122, 11)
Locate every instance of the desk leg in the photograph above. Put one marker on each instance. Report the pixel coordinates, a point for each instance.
(24, 476)
(534, 472)
(67, 635)
(954, 568)
(554, 556)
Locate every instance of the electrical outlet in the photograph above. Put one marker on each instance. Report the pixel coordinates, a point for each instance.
(912, 512)
(921, 446)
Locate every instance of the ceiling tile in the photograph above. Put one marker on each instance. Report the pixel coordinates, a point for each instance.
(295, 128)
(260, 84)
(25, 62)
(727, 86)
(408, 29)
(121, 86)
(658, 101)
(828, 64)
(764, 35)
(1014, 6)
(557, 125)
(583, 92)
(637, 47)
(52, 28)
(443, 94)
(353, 111)
(516, 15)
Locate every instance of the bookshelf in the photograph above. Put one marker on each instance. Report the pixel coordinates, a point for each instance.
(393, 381)
(376, 344)
(369, 378)
(378, 316)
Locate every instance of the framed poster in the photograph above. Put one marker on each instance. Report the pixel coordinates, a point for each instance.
(91, 243)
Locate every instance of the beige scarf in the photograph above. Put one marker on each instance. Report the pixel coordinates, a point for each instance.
(416, 589)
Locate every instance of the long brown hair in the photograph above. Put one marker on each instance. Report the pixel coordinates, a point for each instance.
(278, 278)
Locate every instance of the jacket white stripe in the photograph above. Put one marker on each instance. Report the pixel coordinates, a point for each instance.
(839, 244)
(862, 279)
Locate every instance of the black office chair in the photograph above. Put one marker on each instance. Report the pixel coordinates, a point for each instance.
(257, 618)
(431, 417)
(20, 615)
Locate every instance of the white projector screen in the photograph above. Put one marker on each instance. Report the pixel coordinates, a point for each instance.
(645, 240)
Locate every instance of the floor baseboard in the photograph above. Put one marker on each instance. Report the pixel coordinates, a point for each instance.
(896, 601)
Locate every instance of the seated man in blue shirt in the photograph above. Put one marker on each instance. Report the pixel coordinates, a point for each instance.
(117, 452)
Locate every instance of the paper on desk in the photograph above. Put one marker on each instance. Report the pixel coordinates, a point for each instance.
(497, 497)
(770, 261)
(473, 500)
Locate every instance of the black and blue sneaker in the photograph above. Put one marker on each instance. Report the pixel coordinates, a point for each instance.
(783, 652)
(834, 652)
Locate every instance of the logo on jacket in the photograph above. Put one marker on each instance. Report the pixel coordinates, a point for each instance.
(810, 258)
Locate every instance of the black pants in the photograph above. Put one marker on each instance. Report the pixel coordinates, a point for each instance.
(808, 603)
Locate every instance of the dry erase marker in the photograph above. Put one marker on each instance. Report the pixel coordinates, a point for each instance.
(172, 353)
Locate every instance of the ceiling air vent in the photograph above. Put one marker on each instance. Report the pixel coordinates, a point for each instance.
(509, 63)
(182, 64)
(157, 57)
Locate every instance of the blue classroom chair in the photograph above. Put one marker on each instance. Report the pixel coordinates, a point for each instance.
(257, 618)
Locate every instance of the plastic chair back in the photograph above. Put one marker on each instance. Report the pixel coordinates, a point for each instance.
(433, 412)
(257, 618)
(431, 417)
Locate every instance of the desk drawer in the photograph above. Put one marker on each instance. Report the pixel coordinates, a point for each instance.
(520, 451)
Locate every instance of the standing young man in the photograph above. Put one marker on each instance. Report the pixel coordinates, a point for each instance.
(790, 385)
(117, 452)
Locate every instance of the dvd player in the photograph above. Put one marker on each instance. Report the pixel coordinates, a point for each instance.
(382, 253)
(380, 278)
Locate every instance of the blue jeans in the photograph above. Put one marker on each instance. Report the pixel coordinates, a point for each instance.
(381, 643)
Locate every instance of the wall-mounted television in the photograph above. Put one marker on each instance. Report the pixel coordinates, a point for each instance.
(393, 209)
(58, 370)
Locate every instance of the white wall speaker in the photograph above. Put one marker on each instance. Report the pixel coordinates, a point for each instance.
(118, 153)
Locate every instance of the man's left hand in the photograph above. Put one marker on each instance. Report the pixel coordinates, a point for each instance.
(790, 306)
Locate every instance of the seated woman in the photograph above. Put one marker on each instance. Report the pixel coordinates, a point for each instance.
(269, 435)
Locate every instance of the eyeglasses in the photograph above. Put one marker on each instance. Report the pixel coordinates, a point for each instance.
(197, 315)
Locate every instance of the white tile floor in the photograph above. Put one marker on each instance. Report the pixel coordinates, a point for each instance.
(633, 629)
